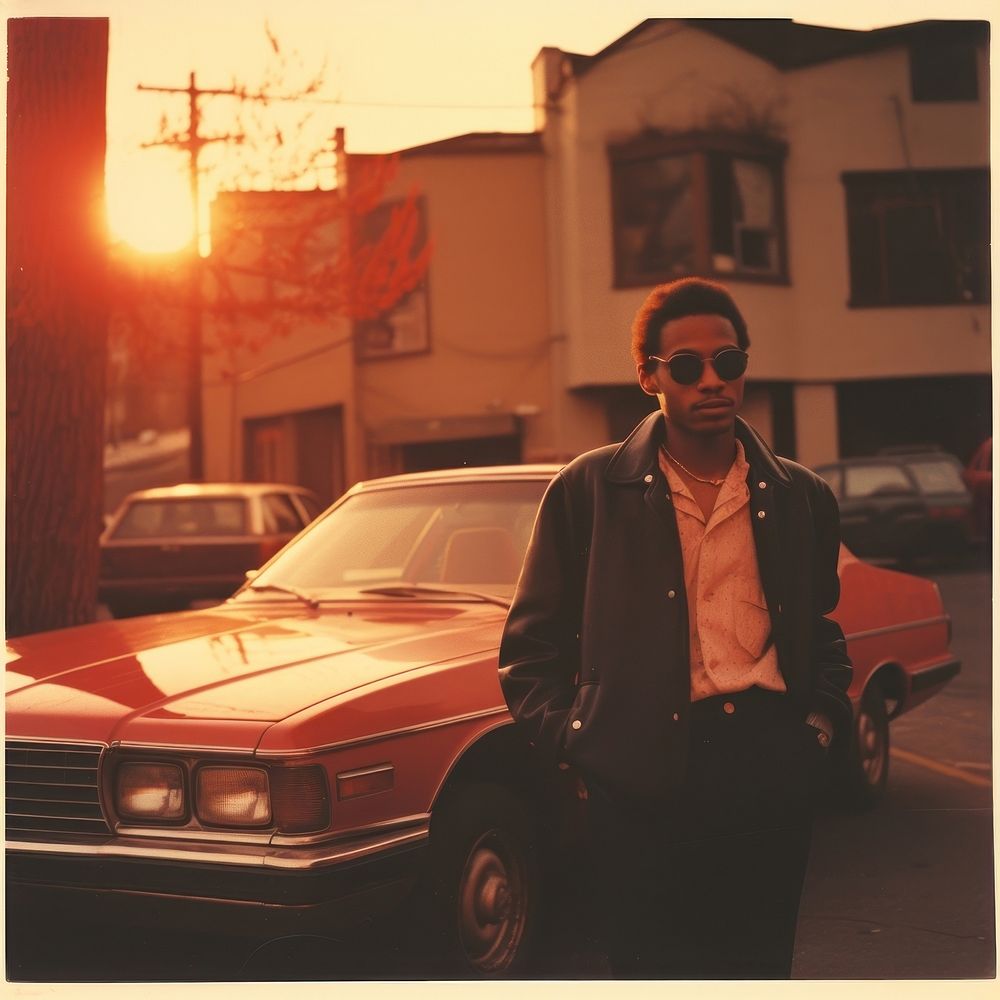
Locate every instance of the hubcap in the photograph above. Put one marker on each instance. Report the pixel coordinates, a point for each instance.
(492, 902)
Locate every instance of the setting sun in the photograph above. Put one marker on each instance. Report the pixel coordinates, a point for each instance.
(149, 205)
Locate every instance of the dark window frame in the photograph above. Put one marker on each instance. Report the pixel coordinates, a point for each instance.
(876, 271)
(699, 149)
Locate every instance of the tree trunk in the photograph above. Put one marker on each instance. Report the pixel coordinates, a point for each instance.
(56, 318)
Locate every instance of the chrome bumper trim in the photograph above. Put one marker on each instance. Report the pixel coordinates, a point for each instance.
(275, 856)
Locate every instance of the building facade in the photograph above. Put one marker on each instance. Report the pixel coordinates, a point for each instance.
(836, 181)
(457, 372)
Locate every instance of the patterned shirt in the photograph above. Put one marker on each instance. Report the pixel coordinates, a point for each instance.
(728, 620)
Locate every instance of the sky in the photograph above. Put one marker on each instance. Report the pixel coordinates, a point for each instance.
(395, 73)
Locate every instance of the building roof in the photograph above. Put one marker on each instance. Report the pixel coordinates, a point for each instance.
(475, 143)
(789, 44)
(470, 144)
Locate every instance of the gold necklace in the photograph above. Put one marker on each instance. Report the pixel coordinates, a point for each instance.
(683, 467)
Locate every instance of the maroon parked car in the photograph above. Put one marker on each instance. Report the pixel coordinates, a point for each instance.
(167, 547)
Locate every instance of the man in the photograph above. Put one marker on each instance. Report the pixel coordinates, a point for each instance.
(668, 641)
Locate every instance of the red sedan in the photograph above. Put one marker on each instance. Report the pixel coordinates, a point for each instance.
(333, 737)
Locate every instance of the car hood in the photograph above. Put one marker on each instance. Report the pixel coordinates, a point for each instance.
(221, 677)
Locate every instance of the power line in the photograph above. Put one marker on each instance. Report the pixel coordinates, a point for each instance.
(247, 95)
(410, 107)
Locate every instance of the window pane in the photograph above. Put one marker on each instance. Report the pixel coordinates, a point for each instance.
(919, 237)
(313, 509)
(869, 480)
(183, 518)
(744, 218)
(754, 217)
(754, 194)
(917, 263)
(279, 514)
(937, 477)
(654, 224)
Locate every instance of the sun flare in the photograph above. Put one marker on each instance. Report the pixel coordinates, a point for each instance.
(149, 205)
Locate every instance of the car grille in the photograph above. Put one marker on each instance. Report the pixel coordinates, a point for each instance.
(52, 788)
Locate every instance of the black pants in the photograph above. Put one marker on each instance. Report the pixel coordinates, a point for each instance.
(707, 885)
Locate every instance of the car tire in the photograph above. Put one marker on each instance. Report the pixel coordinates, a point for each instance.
(867, 768)
(485, 890)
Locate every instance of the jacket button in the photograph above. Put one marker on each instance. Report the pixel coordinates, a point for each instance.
(761, 514)
(577, 724)
(762, 485)
(671, 593)
(729, 708)
(647, 479)
(677, 717)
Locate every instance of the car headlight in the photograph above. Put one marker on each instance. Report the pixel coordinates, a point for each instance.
(150, 792)
(233, 796)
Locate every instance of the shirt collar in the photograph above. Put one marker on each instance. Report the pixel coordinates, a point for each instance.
(635, 458)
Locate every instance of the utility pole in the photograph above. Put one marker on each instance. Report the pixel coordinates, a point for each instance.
(192, 143)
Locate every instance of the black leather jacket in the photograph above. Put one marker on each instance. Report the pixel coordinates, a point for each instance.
(594, 658)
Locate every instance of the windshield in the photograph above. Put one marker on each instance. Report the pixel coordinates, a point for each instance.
(467, 536)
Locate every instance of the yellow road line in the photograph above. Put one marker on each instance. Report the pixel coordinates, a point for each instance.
(946, 769)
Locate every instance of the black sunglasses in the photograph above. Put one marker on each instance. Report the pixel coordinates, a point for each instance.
(686, 368)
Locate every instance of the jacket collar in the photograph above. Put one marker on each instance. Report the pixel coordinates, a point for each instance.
(636, 456)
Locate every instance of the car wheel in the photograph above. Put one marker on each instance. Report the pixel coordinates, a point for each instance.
(868, 766)
(484, 881)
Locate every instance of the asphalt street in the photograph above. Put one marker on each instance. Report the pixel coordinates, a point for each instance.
(907, 890)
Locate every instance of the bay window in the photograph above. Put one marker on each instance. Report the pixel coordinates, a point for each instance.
(697, 204)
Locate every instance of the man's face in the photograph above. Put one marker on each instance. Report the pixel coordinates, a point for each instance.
(709, 405)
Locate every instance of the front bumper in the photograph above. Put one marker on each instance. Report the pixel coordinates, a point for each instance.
(251, 890)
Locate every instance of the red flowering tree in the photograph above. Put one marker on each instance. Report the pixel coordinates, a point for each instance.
(283, 254)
